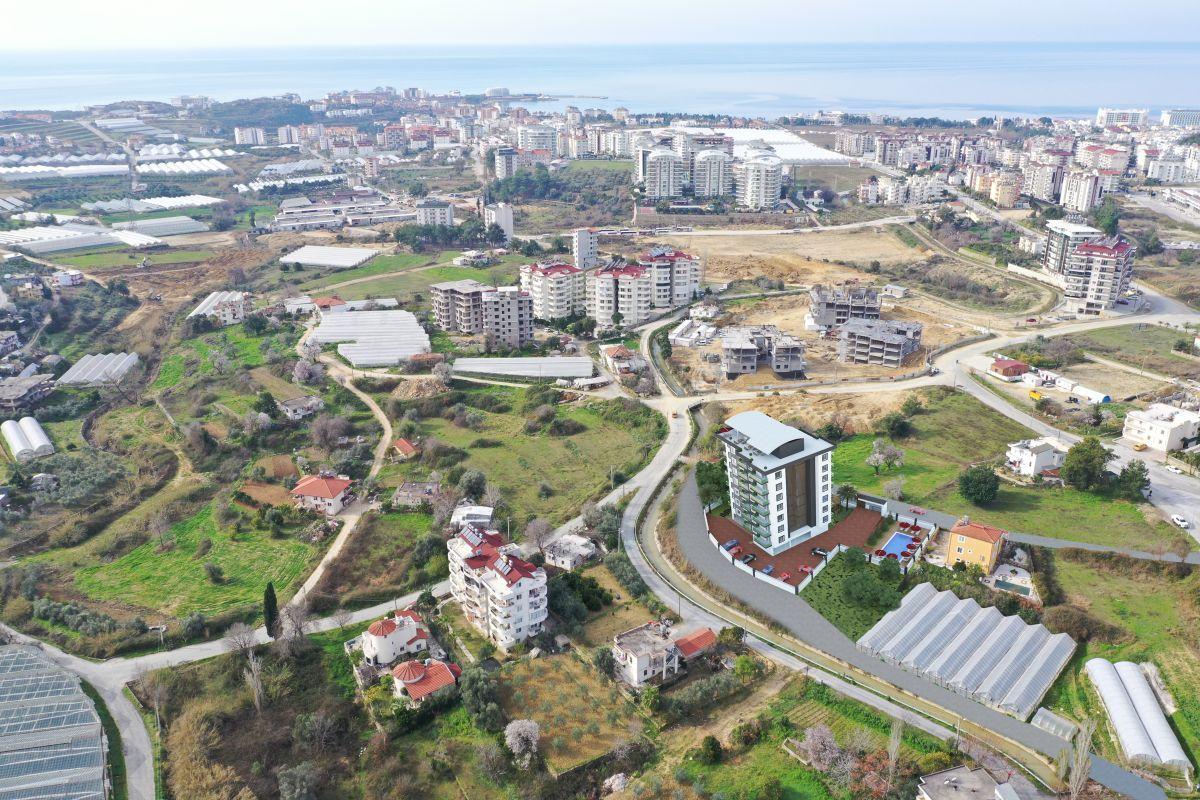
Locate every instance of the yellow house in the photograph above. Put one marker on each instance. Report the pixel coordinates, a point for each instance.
(974, 543)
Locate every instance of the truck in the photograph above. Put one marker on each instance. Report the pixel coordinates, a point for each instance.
(1035, 395)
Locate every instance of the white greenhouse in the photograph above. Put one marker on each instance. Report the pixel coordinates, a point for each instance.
(1142, 728)
(26, 440)
(373, 338)
(99, 368)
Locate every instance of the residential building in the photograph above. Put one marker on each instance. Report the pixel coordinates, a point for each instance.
(1081, 191)
(780, 480)
(645, 654)
(712, 174)
(661, 172)
(387, 640)
(758, 178)
(507, 317)
(620, 294)
(23, 391)
(1181, 117)
(66, 277)
(1093, 270)
(500, 214)
(466, 514)
(961, 783)
(1030, 457)
(974, 544)
(696, 644)
(287, 134)
(507, 162)
(1162, 427)
(676, 276)
(327, 495)
(1117, 117)
(1008, 369)
(1005, 189)
(434, 212)
(297, 408)
(886, 343)
(743, 349)
(458, 305)
(404, 450)
(249, 136)
(224, 308)
(585, 248)
(9, 341)
(418, 681)
(833, 306)
(501, 594)
(621, 360)
(570, 551)
(537, 137)
(416, 494)
(557, 288)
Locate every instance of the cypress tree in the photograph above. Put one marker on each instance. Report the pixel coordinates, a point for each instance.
(270, 610)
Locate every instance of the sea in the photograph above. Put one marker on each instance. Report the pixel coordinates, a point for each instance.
(952, 80)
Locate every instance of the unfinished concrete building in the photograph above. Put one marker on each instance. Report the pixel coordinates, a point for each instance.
(830, 306)
(744, 348)
(886, 343)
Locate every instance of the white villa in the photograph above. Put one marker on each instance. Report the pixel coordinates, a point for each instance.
(387, 640)
(570, 551)
(648, 654)
(1162, 427)
(1031, 457)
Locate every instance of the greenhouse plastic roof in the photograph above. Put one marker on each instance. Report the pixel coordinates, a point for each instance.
(163, 226)
(100, 368)
(529, 367)
(999, 661)
(318, 256)
(1143, 730)
(373, 338)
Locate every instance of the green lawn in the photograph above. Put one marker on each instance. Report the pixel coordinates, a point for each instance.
(1143, 346)
(825, 595)
(406, 285)
(174, 581)
(115, 259)
(380, 265)
(1156, 612)
(194, 356)
(575, 467)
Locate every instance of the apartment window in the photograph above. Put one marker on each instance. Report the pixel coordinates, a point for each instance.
(962, 539)
(959, 550)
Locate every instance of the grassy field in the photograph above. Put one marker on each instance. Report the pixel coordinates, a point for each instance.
(624, 613)
(824, 594)
(576, 468)
(194, 356)
(1157, 613)
(380, 265)
(405, 286)
(837, 179)
(123, 259)
(581, 714)
(1143, 346)
(956, 430)
(378, 561)
(174, 581)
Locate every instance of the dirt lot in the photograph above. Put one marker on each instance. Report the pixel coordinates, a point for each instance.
(794, 258)
(788, 314)
(267, 493)
(278, 466)
(1117, 383)
(856, 412)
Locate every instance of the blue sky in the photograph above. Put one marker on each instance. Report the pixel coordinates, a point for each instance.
(122, 24)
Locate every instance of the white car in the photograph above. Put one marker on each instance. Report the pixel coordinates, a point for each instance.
(1180, 521)
(1174, 469)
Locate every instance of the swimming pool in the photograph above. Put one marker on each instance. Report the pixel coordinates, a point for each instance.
(897, 543)
(1012, 587)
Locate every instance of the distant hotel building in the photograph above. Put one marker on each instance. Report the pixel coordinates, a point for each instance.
(1182, 117)
(1106, 117)
(780, 480)
(434, 212)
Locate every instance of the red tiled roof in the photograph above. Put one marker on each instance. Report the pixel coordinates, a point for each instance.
(669, 255)
(328, 302)
(421, 680)
(382, 627)
(626, 270)
(1008, 362)
(696, 642)
(1095, 248)
(316, 486)
(405, 447)
(553, 268)
(978, 531)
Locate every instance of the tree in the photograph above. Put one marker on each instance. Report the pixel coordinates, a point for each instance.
(747, 668)
(821, 747)
(895, 738)
(298, 782)
(271, 610)
(709, 751)
(521, 736)
(538, 532)
(894, 489)
(912, 406)
(194, 625)
(604, 661)
(1081, 759)
(1086, 464)
(1133, 480)
(979, 484)
(731, 636)
(480, 696)
(307, 371)
(253, 676)
(326, 430)
(472, 484)
(847, 494)
(239, 638)
(896, 425)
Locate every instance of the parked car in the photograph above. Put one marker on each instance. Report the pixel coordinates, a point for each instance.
(735, 550)
(732, 543)
(768, 569)
(934, 371)
(820, 552)
(1174, 469)
(749, 557)
(1180, 521)
(1140, 446)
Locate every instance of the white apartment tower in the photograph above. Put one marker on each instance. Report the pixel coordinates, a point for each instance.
(758, 178)
(585, 244)
(780, 480)
(249, 136)
(1106, 117)
(537, 137)
(557, 289)
(1092, 269)
(502, 595)
(1081, 190)
(434, 212)
(712, 174)
(620, 289)
(661, 172)
(499, 214)
(676, 276)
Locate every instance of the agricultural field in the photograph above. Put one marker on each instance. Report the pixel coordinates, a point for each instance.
(379, 265)
(65, 130)
(407, 286)
(101, 260)
(955, 431)
(539, 473)
(1153, 613)
(834, 178)
(582, 714)
(1149, 347)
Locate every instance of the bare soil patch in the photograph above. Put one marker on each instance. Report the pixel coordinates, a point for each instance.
(271, 494)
